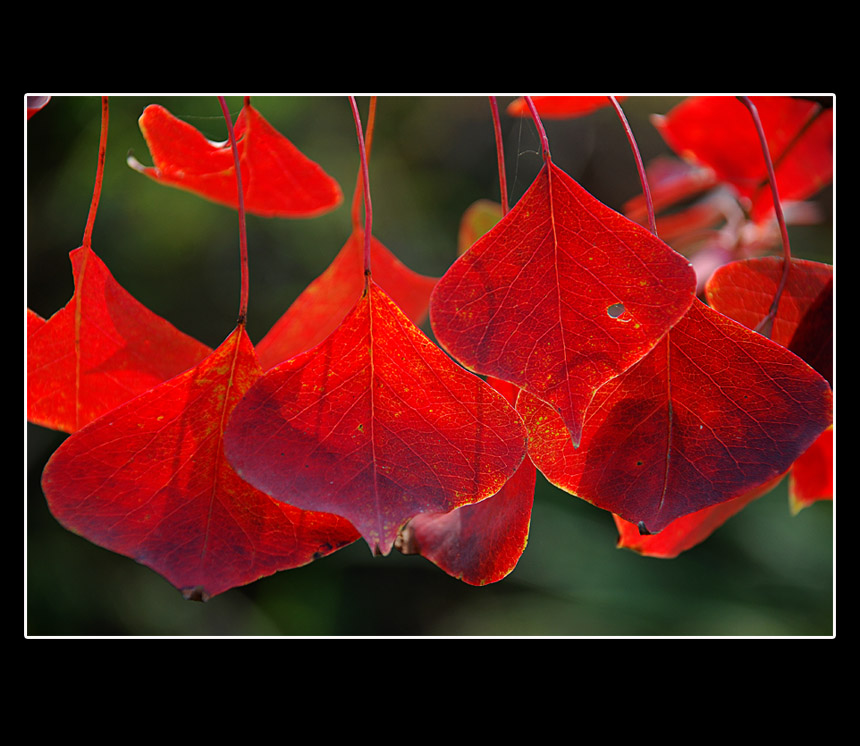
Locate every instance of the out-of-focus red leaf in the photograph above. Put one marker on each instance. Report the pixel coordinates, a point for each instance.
(375, 424)
(718, 131)
(36, 104)
(687, 531)
(670, 180)
(811, 476)
(321, 307)
(478, 218)
(277, 178)
(744, 291)
(122, 350)
(480, 543)
(712, 412)
(560, 107)
(561, 295)
(149, 480)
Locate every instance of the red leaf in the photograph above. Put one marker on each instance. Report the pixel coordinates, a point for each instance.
(478, 218)
(744, 291)
(124, 349)
(802, 152)
(811, 476)
(687, 531)
(278, 180)
(322, 306)
(671, 181)
(34, 322)
(375, 424)
(560, 296)
(149, 480)
(560, 107)
(480, 543)
(36, 104)
(714, 411)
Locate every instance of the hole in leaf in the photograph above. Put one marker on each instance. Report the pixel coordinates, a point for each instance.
(615, 310)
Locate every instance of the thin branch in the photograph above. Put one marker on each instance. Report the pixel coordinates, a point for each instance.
(243, 238)
(368, 211)
(766, 324)
(640, 167)
(500, 154)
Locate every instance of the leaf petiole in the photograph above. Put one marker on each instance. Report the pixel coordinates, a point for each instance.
(368, 210)
(544, 140)
(765, 325)
(243, 238)
(646, 190)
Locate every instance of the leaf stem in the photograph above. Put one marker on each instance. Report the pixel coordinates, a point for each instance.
(243, 238)
(87, 246)
(766, 324)
(100, 172)
(368, 210)
(544, 141)
(500, 154)
(640, 167)
(357, 199)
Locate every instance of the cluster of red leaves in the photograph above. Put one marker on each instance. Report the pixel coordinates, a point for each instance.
(604, 372)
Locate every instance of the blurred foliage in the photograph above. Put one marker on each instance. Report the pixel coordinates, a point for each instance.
(763, 573)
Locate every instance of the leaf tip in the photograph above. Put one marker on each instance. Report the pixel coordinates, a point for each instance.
(135, 164)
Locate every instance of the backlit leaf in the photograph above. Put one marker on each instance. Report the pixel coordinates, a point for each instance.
(122, 350)
(560, 107)
(480, 543)
(277, 178)
(689, 530)
(712, 412)
(375, 424)
(149, 480)
(560, 296)
(36, 104)
(744, 291)
(718, 131)
(811, 476)
(319, 309)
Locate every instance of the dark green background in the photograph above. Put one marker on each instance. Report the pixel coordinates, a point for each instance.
(763, 573)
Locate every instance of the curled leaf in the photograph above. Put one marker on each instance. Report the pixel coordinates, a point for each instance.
(277, 178)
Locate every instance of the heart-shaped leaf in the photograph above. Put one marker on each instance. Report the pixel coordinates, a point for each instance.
(712, 412)
(149, 480)
(560, 296)
(375, 424)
